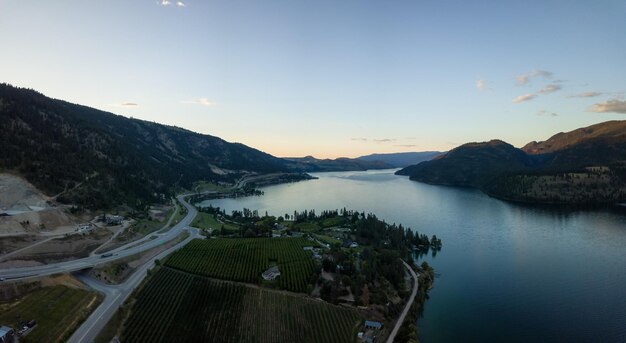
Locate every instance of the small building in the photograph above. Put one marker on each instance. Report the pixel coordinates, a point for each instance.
(6, 334)
(371, 324)
(271, 273)
(308, 248)
(348, 243)
(114, 220)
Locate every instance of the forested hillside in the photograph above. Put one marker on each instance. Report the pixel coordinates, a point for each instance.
(584, 166)
(112, 159)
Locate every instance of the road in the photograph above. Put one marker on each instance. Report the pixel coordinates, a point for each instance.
(394, 332)
(129, 249)
(115, 295)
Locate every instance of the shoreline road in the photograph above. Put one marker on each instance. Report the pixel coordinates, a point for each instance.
(394, 332)
(115, 295)
(146, 243)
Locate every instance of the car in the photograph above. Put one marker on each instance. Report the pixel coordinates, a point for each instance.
(2, 279)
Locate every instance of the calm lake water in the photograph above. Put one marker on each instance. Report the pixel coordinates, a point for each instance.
(506, 273)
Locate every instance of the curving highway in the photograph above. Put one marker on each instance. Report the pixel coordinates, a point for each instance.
(129, 249)
(115, 295)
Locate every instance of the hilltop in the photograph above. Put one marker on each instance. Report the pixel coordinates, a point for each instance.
(584, 166)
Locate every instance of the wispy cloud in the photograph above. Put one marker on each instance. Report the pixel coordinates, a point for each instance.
(360, 139)
(522, 98)
(165, 3)
(180, 4)
(525, 78)
(619, 95)
(201, 101)
(481, 85)
(549, 89)
(384, 140)
(125, 104)
(547, 113)
(406, 145)
(586, 95)
(609, 106)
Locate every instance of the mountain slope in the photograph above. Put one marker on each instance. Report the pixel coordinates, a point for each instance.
(583, 166)
(471, 164)
(401, 159)
(57, 145)
(614, 130)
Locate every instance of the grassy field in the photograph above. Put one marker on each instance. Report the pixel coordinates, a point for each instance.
(204, 186)
(306, 227)
(179, 307)
(58, 311)
(336, 221)
(179, 215)
(205, 221)
(328, 239)
(245, 259)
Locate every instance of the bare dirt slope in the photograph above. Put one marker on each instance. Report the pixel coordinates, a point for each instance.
(24, 209)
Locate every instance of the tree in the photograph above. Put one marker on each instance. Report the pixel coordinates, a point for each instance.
(365, 296)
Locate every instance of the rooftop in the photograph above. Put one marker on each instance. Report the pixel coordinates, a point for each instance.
(4, 330)
(373, 324)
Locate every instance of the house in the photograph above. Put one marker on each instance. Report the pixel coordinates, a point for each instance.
(6, 334)
(84, 228)
(114, 220)
(271, 273)
(308, 248)
(371, 324)
(347, 243)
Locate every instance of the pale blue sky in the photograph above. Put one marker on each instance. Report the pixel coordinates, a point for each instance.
(329, 78)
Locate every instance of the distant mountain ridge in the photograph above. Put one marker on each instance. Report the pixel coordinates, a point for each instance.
(584, 166)
(401, 159)
(312, 164)
(57, 145)
(368, 162)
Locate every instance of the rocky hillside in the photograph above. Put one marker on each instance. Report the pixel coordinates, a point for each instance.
(99, 159)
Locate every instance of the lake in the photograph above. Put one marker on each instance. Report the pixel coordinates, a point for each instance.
(506, 273)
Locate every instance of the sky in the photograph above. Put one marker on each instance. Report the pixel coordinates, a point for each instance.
(329, 78)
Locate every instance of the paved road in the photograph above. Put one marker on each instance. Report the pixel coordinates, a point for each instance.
(115, 295)
(394, 332)
(129, 249)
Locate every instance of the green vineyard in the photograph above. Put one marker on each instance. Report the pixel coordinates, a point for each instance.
(179, 307)
(245, 259)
